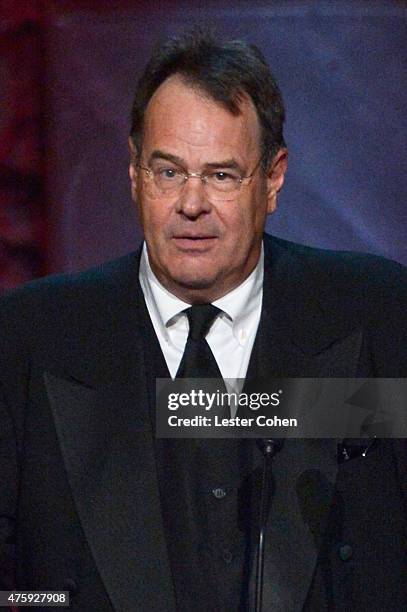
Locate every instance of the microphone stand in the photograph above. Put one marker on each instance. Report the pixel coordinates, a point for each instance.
(269, 448)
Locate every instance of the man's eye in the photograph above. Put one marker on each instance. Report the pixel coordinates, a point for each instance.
(167, 173)
(223, 177)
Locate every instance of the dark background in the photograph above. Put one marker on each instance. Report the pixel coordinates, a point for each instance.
(68, 72)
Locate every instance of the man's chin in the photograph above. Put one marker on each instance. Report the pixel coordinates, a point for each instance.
(196, 288)
(195, 283)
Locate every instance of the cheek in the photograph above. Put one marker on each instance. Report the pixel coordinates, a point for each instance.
(244, 221)
(153, 218)
(258, 213)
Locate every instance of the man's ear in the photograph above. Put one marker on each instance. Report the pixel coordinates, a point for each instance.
(275, 178)
(132, 168)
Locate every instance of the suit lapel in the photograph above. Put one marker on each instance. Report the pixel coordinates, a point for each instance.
(101, 411)
(297, 339)
(296, 336)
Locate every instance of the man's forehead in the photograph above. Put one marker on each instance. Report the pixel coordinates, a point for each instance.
(176, 86)
(181, 111)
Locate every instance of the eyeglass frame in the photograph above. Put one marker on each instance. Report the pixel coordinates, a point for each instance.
(203, 177)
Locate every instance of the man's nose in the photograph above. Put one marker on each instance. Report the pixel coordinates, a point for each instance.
(193, 200)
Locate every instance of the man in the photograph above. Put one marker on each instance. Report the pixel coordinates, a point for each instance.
(91, 501)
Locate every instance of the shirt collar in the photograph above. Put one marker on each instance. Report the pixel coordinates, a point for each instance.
(164, 304)
(238, 305)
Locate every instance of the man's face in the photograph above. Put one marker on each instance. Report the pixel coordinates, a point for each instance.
(201, 248)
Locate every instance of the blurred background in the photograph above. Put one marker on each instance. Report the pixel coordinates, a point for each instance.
(68, 70)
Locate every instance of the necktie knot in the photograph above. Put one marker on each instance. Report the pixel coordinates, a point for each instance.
(201, 317)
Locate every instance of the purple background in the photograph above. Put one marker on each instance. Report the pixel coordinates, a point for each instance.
(342, 70)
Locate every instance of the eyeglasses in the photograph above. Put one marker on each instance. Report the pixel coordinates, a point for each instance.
(219, 185)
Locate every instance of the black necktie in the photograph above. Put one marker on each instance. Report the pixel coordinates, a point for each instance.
(198, 360)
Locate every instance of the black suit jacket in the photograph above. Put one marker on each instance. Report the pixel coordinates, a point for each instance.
(79, 500)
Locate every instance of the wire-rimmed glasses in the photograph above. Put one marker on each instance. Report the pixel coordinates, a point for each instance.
(219, 184)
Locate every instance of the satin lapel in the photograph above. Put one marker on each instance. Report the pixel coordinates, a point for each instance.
(107, 446)
(298, 335)
(98, 395)
(296, 338)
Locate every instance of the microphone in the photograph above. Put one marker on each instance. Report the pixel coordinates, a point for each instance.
(269, 448)
(270, 445)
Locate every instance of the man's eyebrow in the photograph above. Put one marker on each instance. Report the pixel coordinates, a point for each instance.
(157, 154)
(225, 163)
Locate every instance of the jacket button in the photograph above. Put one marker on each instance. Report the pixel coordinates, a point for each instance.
(227, 556)
(219, 492)
(345, 552)
(71, 586)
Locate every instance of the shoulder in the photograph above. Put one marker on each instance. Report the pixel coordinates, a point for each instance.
(98, 279)
(352, 290)
(341, 261)
(346, 273)
(68, 300)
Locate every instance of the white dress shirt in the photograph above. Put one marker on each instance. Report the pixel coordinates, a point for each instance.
(232, 334)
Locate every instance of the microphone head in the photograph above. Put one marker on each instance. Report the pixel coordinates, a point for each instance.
(270, 446)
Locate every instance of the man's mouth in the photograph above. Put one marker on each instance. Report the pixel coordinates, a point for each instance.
(194, 242)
